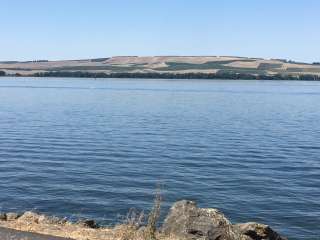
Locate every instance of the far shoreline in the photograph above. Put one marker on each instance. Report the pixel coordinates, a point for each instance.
(168, 76)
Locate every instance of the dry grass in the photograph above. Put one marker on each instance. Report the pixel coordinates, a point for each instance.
(130, 228)
(133, 227)
(150, 231)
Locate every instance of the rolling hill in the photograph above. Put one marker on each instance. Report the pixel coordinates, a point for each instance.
(167, 67)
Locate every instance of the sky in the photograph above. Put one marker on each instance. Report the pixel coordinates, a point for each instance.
(81, 29)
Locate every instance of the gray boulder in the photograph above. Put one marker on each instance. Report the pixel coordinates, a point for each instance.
(257, 231)
(186, 221)
(12, 216)
(51, 220)
(29, 217)
(88, 223)
(32, 217)
(3, 217)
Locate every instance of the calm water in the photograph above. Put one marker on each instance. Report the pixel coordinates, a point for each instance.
(95, 148)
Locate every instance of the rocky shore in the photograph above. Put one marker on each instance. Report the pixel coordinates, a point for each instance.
(185, 221)
(11, 234)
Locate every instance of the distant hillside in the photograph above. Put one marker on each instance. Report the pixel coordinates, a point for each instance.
(167, 67)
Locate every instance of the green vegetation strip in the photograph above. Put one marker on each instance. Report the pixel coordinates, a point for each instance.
(222, 74)
(176, 66)
(269, 66)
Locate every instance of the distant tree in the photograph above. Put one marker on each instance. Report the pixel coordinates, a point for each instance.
(2, 73)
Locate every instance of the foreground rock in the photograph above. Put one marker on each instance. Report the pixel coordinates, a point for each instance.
(88, 223)
(257, 231)
(9, 234)
(186, 221)
(11, 216)
(31, 217)
(53, 226)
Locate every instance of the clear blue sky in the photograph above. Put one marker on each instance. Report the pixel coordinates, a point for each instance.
(72, 29)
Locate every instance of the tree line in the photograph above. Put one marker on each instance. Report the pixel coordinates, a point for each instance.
(219, 75)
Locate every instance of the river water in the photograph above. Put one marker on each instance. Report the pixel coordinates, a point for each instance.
(95, 148)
